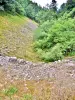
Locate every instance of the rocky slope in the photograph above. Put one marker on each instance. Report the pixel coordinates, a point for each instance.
(60, 73)
(16, 36)
(19, 68)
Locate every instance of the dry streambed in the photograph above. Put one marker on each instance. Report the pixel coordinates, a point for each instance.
(57, 77)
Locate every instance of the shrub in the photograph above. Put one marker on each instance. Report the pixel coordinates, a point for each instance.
(53, 54)
(10, 8)
(57, 39)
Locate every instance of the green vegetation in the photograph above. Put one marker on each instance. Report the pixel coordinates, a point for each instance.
(14, 6)
(10, 92)
(22, 7)
(55, 38)
(27, 97)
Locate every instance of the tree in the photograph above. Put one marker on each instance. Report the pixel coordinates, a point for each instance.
(14, 6)
(70, 4)
(63, 6)
(30, 11)
(53, 5)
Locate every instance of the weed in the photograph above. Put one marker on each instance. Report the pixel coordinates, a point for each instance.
(10, 92)
(27, 97)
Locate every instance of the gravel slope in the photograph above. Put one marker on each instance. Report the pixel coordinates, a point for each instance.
(19, 68)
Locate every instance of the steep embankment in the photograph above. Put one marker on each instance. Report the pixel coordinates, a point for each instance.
(16, 36)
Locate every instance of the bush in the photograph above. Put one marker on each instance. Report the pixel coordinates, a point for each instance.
(52, 54)
(30, 11)
(10, 8)
(57, 39)
(19, 9)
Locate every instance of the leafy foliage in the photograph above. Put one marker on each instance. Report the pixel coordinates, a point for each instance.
(70, 4)
(22, 7)
(56, 38)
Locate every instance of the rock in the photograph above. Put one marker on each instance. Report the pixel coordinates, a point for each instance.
(13, 59)
(21, 69)
(59, 61)
(7, 58)
(0, 54)
(21, 61)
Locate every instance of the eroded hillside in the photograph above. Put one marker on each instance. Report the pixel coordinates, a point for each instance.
(16, 36)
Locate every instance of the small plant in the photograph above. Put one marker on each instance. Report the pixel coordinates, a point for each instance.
(10, 92)
(27, 97)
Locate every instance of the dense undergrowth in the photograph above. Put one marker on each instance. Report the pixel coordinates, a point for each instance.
(55, 38)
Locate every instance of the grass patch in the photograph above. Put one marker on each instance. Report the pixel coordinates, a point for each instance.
(72, 54)
(16, 36)
(10, 92)
(27, 97)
